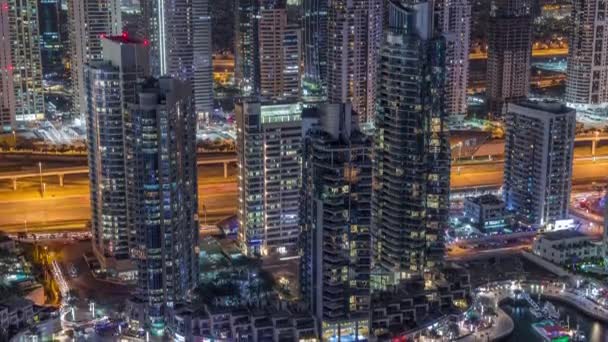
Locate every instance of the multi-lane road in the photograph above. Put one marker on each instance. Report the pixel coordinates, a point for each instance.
(63, 208)
(67, 208)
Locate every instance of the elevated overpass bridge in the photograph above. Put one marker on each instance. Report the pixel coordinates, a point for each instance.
(62, 172)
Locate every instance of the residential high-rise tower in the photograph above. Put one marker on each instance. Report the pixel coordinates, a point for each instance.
(268, 151)
(160, 152)
(539, 146)
(90, 21)
(509, 53)
(279, 55)
(454, 22)
(180, 39)
(411, 148)
(314, 36)
(110, 84)
(20, 63)
(353, 36)
(336, 217)
(587, 81)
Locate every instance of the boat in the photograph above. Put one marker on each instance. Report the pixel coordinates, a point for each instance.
(551, 331)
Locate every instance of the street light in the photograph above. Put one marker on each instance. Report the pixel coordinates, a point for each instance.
(40, 173)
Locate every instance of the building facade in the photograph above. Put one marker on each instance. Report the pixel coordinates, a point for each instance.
(268, 147)
(486, 213)
(314, 36)
(160, 130)
(454, 22)
(336, 218)
(354, 29)
(539, 146)
(566, 246)
(587, 74)
(180, 38)
(203, 69)
(110, 84)
(90, 21)
(279, 53)
(411, 149)
(246, 67)
(20, 63)
(7, 96)
(509, 53)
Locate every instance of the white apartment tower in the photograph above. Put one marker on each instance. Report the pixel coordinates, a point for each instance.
(268, 150)
(539, 147)
(587, 75)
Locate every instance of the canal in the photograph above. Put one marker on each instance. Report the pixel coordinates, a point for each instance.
(594, 331)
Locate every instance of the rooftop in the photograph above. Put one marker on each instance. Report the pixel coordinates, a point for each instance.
(547, 106)
(562, 235)
(125, 39)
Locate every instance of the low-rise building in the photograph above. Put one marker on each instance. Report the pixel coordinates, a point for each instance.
(16, 313)
(565, 246)
(241, 324)
(486, 213)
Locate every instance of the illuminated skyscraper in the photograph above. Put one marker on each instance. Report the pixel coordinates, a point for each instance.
(454, 22)
(180, 38)
(411, 149)
(336, 215)
(20, 63)
(202, 81)
(160, 153)
(587, 81)
(353, 37)
(279, 53)
(246, 68)
(314, 22)
(110, 84)
(268, 148)
(267, 50)
(90, 21)
(539, 144)
(7, 96)
(509, 53)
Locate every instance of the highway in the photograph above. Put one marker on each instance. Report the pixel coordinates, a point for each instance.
(68, 208)
(65, 208)
(552, 52)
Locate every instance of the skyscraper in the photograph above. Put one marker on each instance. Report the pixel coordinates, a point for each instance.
(353, 37)
(411, 149)
(268, 151)
(336, 215)
(539, 146)
(279, 54)
(180, 37)
(51, 19)
(20, 63)
(509, 53)
(587, 81)
(160, 131)
(246, 68)
(7, 96)
(314, 23)
(202, 82)
(90, 21)
(454, 22)
(110, 84)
